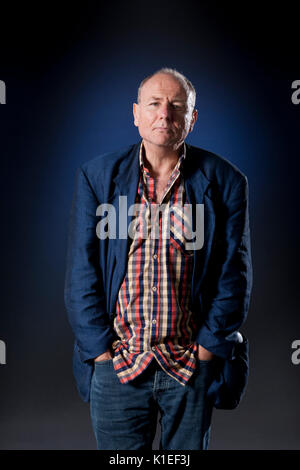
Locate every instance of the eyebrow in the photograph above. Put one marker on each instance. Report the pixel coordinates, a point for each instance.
(157, 98)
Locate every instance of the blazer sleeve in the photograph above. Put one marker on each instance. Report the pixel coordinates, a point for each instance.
(226, 295)
(84, 294)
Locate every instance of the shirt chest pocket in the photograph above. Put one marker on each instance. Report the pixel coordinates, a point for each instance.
(180, 231)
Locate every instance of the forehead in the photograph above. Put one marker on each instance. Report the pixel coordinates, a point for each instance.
(162, 85)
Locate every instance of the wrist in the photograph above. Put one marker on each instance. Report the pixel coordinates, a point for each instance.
(204, 354)
(106, 355)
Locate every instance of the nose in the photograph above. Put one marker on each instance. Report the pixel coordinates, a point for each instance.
(165, 110)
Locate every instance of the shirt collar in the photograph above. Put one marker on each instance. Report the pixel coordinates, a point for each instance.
(178, 164)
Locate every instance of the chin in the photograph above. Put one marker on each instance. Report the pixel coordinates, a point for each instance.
(164, 142)
(160, 141)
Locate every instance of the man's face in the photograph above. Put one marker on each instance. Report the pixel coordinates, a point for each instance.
(165, 112)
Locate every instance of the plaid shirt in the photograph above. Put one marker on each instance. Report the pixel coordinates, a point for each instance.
(153, 318)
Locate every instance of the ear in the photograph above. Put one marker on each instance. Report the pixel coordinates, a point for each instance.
(136, 113)
(194, 119)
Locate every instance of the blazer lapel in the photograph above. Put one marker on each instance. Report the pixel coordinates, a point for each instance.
(197, 188)
(126, 185)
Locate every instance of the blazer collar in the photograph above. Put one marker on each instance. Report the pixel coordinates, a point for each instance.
(128, 173)
(194, 177)
(129, 169)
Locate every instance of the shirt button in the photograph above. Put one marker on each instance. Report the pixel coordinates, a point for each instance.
(155, 256)
(154, 288)
(153, 348)
(153, 321)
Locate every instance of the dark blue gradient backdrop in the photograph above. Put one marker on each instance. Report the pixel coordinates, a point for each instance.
(72, 76)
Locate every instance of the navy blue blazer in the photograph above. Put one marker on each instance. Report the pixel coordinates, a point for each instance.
(222, 272)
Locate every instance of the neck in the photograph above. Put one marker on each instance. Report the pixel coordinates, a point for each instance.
(161, 160)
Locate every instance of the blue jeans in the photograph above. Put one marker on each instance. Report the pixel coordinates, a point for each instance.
(124, 416)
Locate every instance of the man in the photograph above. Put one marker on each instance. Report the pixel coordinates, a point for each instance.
(152, 313)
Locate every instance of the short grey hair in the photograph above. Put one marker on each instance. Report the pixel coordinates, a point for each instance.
(185, 82)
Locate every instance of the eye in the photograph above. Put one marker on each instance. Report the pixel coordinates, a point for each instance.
(178, 106)
(154, 103)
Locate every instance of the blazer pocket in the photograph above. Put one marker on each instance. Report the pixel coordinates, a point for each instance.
(231, 378)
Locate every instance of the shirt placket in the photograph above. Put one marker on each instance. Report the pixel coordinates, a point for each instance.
(156, 246)
(153, 244)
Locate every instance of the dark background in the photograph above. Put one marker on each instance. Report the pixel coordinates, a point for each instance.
(72, 74)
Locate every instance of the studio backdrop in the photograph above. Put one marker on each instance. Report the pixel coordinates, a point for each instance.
(68, 79)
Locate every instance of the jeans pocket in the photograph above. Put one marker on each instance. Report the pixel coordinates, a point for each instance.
(205, 367)
(103, 361)
(205, 362)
